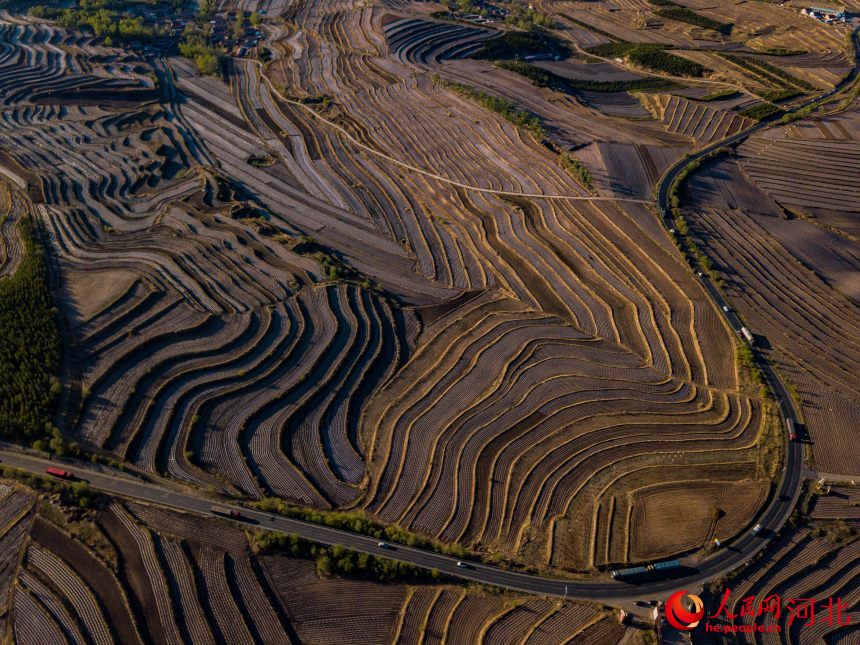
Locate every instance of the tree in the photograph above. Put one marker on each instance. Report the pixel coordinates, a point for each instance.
(239, 26)
(207, 8)
(254, 19)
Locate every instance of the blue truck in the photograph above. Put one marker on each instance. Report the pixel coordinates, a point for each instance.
(634, 572)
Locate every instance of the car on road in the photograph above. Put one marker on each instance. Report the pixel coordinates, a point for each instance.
(383, 545)
(726, 308)
(700, 274)
(642, 603)
(462, 564)
(59, 472)
(756, 529)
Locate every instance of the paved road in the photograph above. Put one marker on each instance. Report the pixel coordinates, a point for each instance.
(122, 485)
(670, 175)
(691, 576)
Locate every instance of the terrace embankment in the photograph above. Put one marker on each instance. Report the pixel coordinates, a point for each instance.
(129, 573)
(298, 328)
(782, 234)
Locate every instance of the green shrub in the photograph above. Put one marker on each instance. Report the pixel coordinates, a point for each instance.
(207, 59)
(356, 522)
(339, 561)
(576, 169)
(718, 95)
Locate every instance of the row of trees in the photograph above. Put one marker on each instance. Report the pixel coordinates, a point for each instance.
(652, 56)
(356, 522)
(104, 23)
(503, 107)
(338, 560)
(674, 11)
(30, 347)
(544, 78)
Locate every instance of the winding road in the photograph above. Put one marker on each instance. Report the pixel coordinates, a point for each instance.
(694, 572)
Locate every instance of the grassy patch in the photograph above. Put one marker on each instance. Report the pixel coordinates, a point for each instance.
(503, 107)
(30, 347)
(761, 111)
(544, 78)
(718, 95)
(652, 56)
(519, 44)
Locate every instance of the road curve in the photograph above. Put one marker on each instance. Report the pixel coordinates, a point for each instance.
(695, 570)
(126, 486)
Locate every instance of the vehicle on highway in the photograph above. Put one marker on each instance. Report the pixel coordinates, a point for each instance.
(747, 334)
(383, 545)
(226, 512)
(630, 572)
(789, 427)
(700, 274)
(642, 603)
(462, 564)
(726, 308)
(636, 572)
(59, 472)
(756, 529)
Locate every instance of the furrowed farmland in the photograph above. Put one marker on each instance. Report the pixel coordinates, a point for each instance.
(412, 309)
(407, 266)
(816, 559)
(792, 201)
(130, 573)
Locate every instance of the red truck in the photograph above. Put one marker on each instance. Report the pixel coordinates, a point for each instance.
(58, 472)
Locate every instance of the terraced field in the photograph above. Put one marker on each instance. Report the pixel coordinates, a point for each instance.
(415, 309)
(818, 561)
(136, 574)
(427, 614)
(790, 263)
(703, 124)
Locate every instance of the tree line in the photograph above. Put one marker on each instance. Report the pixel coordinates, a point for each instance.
(30, 347)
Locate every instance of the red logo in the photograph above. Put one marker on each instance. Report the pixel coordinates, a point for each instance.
(677, 615)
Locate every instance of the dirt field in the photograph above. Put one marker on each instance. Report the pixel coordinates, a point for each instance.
(686, 515)
(177, 578)
(817, 560)
(443, 298)
(805, 298)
